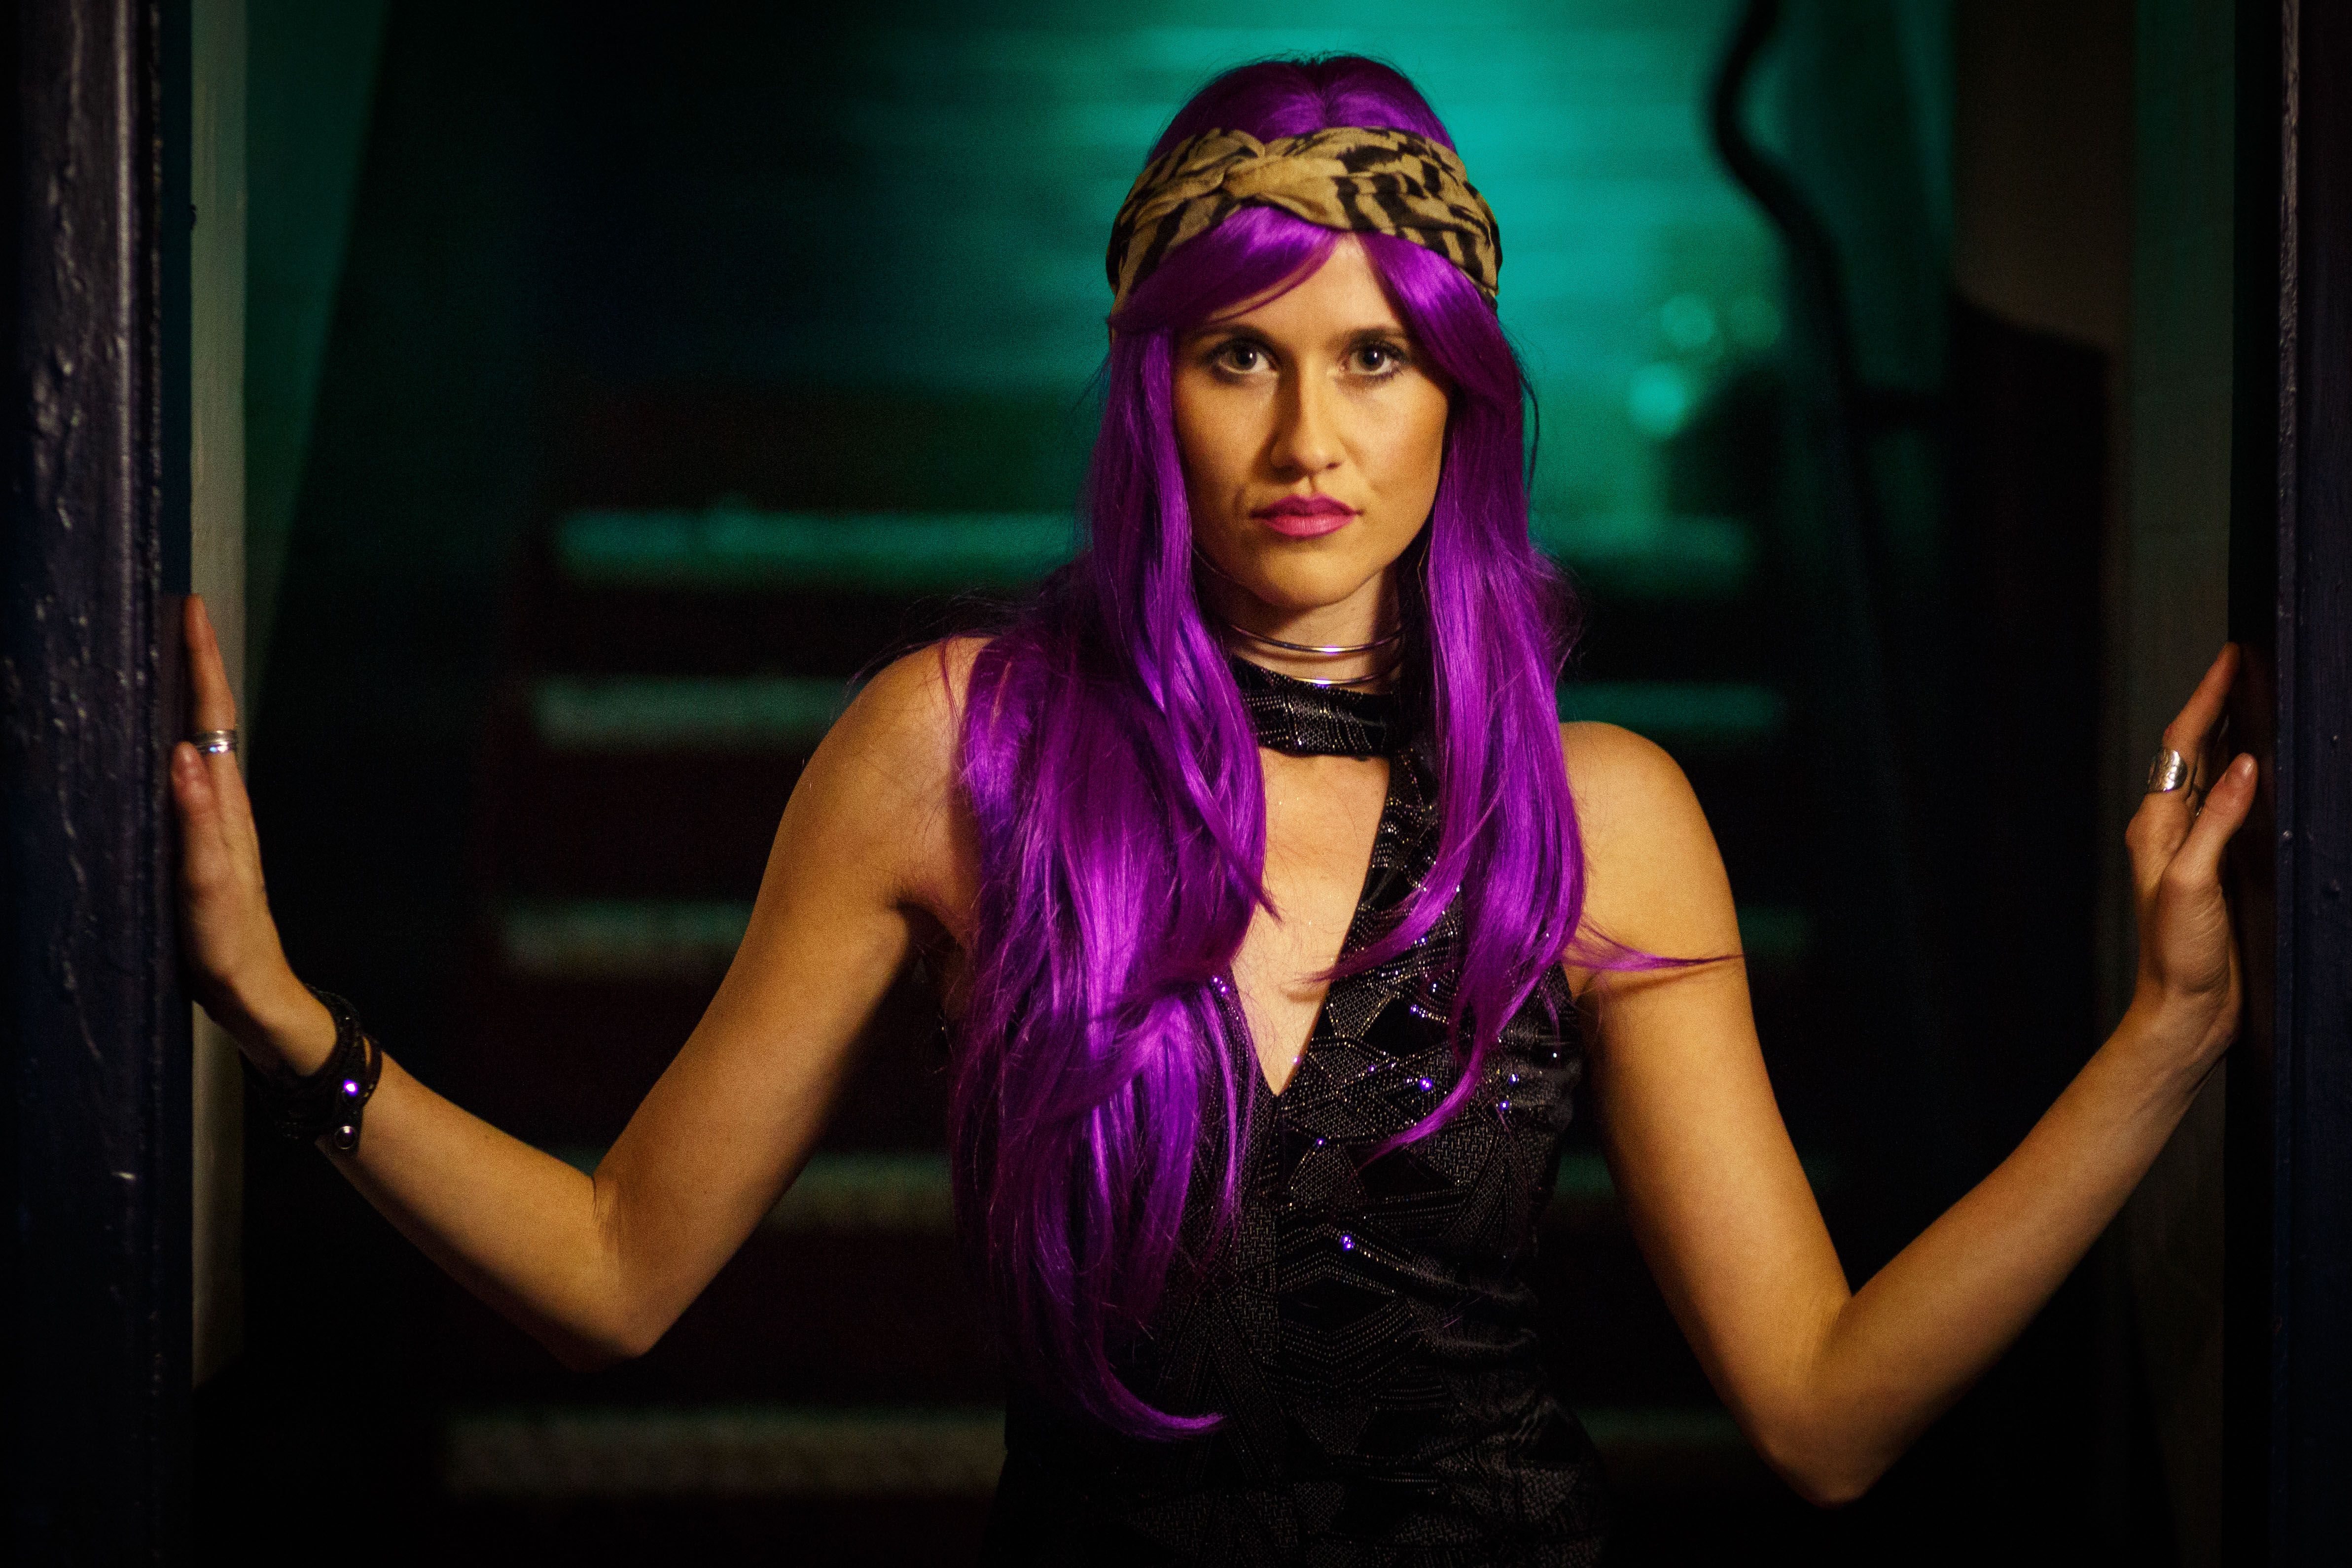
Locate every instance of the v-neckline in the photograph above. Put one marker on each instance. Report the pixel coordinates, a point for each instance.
(1348, 945)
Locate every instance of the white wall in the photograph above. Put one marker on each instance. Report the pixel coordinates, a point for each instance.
(216, 458)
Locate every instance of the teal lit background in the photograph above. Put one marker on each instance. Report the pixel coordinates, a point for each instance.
(944, 228)
(911, 208)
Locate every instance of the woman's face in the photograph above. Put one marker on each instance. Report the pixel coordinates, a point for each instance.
(1312, 432)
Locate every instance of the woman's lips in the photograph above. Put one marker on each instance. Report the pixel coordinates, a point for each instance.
(1305, 517)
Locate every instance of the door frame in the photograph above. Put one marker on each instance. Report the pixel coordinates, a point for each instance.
(94, 1025)
(2288, 1362)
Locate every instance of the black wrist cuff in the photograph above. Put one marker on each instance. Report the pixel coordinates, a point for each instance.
(331, 1101)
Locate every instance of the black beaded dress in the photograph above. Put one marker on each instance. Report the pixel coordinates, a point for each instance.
(1367, 1332)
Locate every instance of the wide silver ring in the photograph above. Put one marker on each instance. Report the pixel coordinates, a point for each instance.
(216, 742)
(2168, 771)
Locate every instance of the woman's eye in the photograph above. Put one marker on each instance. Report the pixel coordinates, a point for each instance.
(1378, 359)
(1241, 357)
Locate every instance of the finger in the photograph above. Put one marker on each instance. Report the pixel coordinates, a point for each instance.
(234, 807)
(215, 704)
(2162, 824)
(189, 788)
(2189, 727)
(216, 709)
(2198, 859)
(2217, 749)
(2155, 835)
(203, 850)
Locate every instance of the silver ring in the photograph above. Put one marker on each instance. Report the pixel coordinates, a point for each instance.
(2168, 771)
(216, 742)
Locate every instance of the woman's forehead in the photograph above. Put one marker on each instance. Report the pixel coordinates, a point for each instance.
(1341, 296)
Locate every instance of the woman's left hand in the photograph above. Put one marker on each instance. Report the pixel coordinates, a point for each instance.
(2187, 987)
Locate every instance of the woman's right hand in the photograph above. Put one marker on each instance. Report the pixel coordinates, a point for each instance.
(237, 968)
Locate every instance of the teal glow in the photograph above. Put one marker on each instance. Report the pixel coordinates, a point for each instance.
(771, 713)
(1695, 715)
(791, 713)
(1688, 322)
(1582, 122)
(557, 1455)
(568, 1453)
(1771, 934)
(731, 549)
(621, 938)
(1661, 399)
(694, 940)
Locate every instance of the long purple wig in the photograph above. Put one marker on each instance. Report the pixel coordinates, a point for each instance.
(1115, 781)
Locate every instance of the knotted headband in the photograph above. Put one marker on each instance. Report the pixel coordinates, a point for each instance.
(1352, 178)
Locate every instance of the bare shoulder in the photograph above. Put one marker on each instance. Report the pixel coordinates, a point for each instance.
(1654, 879)
(911, 710)
(884, 783)
(1628, 791)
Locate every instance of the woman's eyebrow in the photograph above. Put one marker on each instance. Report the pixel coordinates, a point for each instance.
(1226, 332)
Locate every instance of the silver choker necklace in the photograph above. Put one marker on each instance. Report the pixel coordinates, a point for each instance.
(1323, 650)
(1318, 650)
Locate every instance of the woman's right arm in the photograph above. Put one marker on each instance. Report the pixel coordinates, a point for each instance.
(872, 841)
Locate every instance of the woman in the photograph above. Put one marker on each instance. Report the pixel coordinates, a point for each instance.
(1250, 1140)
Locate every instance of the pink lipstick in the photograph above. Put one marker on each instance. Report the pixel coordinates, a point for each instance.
(1305, 517)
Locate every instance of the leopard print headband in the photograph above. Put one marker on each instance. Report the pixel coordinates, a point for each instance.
(1353, 178)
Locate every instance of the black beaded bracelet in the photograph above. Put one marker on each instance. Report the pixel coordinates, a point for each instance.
(332, 1100)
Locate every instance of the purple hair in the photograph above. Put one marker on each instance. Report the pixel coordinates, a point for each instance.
(1115, 781)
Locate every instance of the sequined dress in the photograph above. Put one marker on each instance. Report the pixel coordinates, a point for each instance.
(1367, 1331)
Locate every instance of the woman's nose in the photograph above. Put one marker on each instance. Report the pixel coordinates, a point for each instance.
(1305, 436)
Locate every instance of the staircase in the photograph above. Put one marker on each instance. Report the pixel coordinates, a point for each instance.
(670, 665)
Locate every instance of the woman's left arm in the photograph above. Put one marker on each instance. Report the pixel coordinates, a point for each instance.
(1831, 1384)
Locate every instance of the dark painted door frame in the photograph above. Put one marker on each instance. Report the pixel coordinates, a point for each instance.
(94, 1140)
(2289, 1313)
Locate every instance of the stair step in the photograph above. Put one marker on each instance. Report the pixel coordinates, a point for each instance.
(790, 714)
(644, 785)
(785, 713)
(638, 786)
(621, 938)
(563, 1060)
(576, 1007)
(697, 825)
(907, 1192)
(621, 821)
(552, 1453)
(854, 1293)
(686, 939)
(1702, 558)
(840, 1317)
(559, 1453)
(734, 549)
(627, 1532)
(1682, 715)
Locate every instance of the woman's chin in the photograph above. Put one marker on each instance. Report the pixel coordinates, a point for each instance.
(1296, 577)
(1303, 588)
